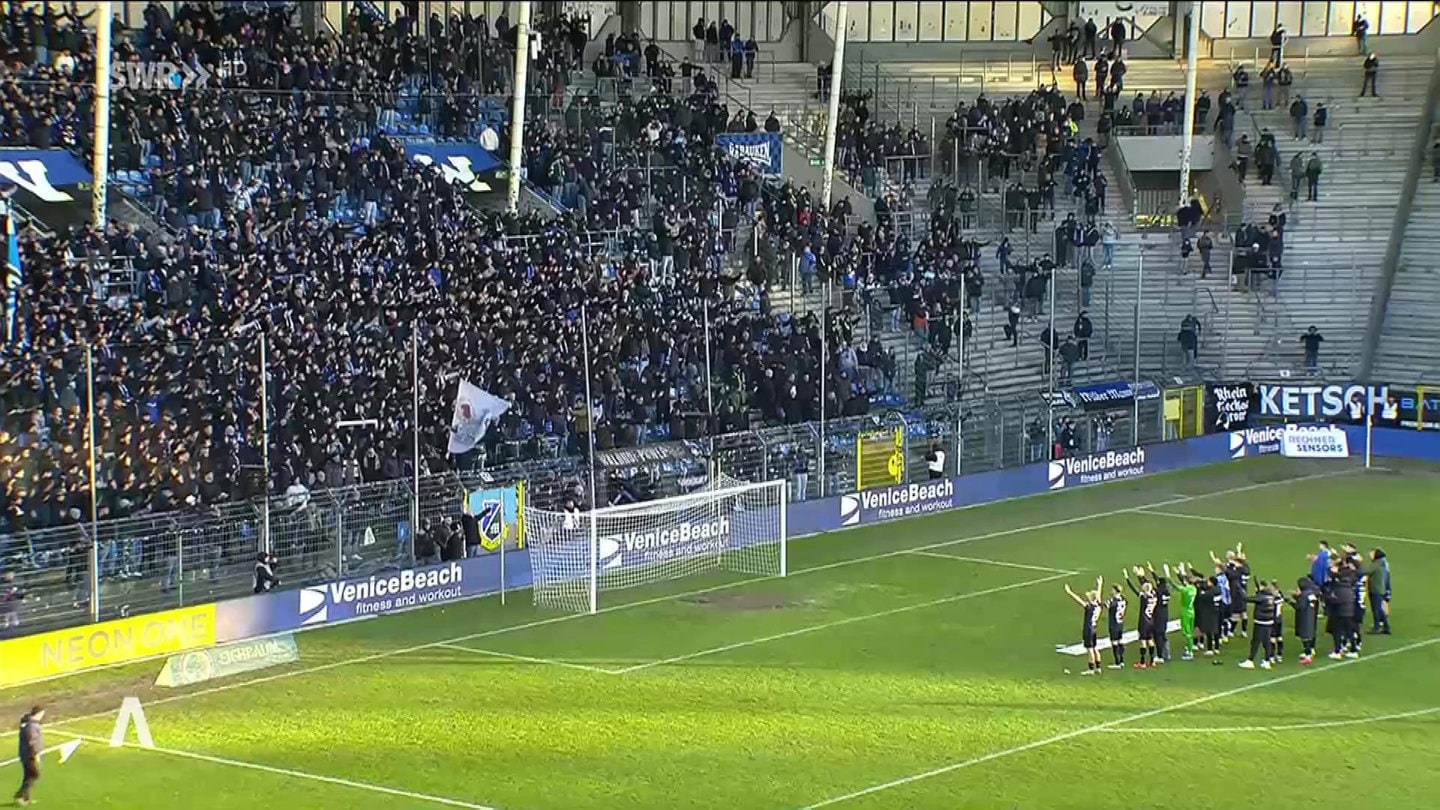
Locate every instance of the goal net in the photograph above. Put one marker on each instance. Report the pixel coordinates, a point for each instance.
(728, 526)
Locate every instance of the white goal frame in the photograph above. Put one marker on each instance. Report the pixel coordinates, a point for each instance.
(728, 526)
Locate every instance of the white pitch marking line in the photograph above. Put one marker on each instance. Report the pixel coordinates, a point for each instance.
(1260, 524)
(1359, 721)
(1002, 563)
(313, 777)
(527, 659)
(365, 659)
(1080, 732)
(838, 623)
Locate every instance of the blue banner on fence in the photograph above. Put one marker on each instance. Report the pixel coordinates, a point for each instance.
(384, 592)
(1117, 394)
(764, 149)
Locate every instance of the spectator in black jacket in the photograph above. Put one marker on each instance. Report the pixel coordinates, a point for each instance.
(32, 744)
(265, 579)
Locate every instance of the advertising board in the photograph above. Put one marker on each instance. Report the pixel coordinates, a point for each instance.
(62, 652)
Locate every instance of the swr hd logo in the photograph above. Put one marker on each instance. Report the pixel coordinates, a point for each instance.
(168, 76)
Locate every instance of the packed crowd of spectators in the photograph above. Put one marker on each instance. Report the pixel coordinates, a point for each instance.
(493, 298)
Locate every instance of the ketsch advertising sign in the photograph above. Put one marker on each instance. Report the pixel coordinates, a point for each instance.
(1316, 402)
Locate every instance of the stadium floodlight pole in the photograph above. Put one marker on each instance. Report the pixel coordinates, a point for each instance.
(100, 162)
(709, 387)
(832, 122)
(964, 309)
(1139, 290)
(589, 409)
(517, 104)
(93, 556)
(1050, 347)
(824, 367)
(415, 431)
(265, 439)
(1192, 58)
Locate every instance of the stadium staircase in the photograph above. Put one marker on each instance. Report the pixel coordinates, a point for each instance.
(1409, 350)
(1335, 248)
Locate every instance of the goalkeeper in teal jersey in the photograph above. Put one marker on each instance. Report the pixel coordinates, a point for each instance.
(1187, 592)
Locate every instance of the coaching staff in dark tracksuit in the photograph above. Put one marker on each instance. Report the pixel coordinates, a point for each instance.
(31, 744)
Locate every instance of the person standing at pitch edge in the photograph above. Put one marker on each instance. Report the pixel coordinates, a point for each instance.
(31, 744)
(1378, 580)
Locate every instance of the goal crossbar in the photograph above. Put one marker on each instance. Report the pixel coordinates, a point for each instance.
(727, 526)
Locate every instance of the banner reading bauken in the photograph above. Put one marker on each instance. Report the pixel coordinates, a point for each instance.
(763, 149)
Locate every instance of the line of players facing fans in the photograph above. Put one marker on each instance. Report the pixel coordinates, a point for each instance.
(1213, 608)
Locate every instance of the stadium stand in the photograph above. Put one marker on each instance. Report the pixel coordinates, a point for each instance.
(300, 200)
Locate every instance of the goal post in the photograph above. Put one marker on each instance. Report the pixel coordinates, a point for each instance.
(576, 557)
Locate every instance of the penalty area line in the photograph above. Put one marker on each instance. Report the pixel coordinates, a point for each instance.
(1288, 527)
(1001, 563)
(944, 600)
(294, 774)
(525, 659)
(1356, 721)
(1110, 724)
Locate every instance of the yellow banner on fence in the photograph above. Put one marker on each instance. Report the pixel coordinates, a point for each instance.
(62, 652)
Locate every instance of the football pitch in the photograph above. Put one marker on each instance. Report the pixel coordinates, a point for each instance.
(901, 665)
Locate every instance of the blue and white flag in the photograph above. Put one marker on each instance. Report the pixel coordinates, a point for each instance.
(475, 410)
(763, 149)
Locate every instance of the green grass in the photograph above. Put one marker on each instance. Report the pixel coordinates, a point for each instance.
(792, 692)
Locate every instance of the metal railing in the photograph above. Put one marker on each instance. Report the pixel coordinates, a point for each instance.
(185, 556)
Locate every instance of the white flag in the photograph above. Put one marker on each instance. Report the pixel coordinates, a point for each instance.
(475, 410)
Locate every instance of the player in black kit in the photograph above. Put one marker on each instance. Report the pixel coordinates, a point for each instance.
(1264, 600)
(1115, 613)
(1149, 602)
(1162, 614)
(1237, 571)
(1091, 605)
(1209, 604)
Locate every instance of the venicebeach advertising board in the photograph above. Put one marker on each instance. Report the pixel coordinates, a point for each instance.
(48, 655)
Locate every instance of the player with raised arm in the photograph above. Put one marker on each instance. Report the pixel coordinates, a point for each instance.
(1223, 583)
(1237, 573)
(1115, 613)
(1187, 591)
(1091, 606)
(1208, 609)
(1162, 613)
(1149, 602)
